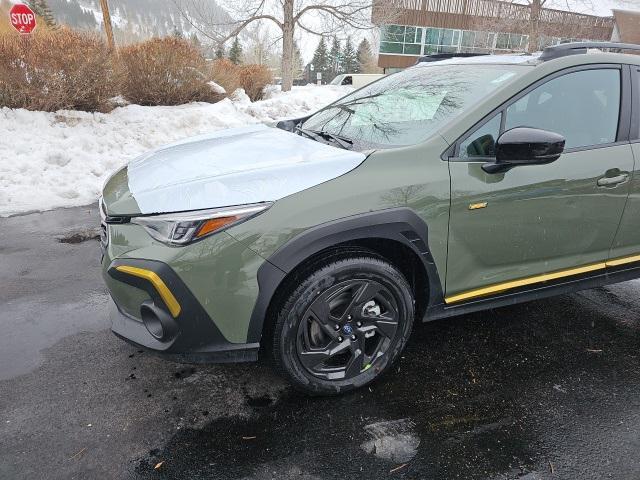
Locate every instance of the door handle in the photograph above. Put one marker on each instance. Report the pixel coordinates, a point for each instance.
(613, 181)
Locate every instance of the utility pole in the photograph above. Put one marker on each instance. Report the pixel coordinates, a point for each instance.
(107, 24)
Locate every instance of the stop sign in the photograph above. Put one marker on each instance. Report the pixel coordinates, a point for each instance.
(22, 18)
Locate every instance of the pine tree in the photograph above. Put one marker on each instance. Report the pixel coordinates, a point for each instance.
(298, 62)
(320, 61)
(335, 56)
(349, 58)
(41, 8)
(235, 52)
(366, 60)
(220, 53)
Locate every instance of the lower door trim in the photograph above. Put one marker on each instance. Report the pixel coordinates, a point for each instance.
(537, 279)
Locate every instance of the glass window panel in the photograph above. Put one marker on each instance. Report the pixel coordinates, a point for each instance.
(482, 40)
(482, 143)
(410, 35)
(491, 40)
(412, 105)
(589, 101)
(430, 49)
(432, 36)
(445, 49)
(390, 47)
(393, 33)
(468, 38)
(502, 42)
(516, 41)
(447, 37)
(412, 48)
(638, 99)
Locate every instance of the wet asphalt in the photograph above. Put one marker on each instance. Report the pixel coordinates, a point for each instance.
(544, 390)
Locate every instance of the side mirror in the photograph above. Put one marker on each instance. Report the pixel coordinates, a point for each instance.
(290, 125)
(525, 146)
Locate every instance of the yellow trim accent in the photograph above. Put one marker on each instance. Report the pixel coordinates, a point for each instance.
(501, 287)
(478, 206)
(158, 284)
(623, 261)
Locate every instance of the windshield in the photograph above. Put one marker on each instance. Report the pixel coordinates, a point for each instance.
(337, 80)
(407, 107)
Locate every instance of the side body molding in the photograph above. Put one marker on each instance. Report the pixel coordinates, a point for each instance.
(398, 224)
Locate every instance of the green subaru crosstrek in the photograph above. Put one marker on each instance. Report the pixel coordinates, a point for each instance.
(457, 185)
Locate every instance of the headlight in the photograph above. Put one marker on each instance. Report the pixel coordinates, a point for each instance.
(184, 228)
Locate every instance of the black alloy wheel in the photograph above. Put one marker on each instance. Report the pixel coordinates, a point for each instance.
(344, 325)
(346, 328)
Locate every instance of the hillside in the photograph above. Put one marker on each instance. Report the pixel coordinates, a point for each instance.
(133, 20)
(5, 26)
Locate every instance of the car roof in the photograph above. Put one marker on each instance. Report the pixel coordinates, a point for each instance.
(485, 60)
(534, 59)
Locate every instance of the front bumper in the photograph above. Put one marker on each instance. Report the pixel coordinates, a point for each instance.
(172, 322)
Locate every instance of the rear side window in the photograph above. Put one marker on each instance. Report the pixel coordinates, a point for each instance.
(583, 106)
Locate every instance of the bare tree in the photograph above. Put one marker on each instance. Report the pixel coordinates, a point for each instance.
(567, 27)
(259, 45)
(534, 23)
(537, 18)
(320, 17)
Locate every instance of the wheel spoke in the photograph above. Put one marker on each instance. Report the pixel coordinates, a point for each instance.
(365, 291)
(326, 327)
(389, 307)
(313, 358)
(385, 325)
(356, 364)
(320, 308)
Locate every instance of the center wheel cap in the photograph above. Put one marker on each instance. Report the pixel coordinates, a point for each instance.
(347, 329)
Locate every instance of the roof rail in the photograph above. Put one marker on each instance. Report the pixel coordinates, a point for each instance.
(437, 57)
(577, 48)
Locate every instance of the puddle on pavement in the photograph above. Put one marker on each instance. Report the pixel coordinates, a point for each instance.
(394, 441)
(80, 236)
(465, 401)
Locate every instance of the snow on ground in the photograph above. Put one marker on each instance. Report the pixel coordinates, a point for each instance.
(61, 159)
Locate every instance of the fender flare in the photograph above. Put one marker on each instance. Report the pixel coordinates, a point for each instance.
(399, 224)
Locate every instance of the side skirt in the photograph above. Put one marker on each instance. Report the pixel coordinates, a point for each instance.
(609, 277)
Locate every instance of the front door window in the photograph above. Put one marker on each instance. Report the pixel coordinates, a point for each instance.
(582, 106)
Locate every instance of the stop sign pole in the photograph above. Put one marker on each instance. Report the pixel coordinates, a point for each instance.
(22, 18)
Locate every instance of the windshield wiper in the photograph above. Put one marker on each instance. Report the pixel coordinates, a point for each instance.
(343, 142)
(309, 134)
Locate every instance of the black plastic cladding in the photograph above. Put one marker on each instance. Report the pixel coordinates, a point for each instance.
(399, 224)
(198, 338)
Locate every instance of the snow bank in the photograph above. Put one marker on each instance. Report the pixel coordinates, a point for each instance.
(62, 159)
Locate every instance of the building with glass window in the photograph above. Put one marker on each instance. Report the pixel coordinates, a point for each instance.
(411, 28)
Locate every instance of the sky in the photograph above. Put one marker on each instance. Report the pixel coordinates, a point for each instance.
(595, 7)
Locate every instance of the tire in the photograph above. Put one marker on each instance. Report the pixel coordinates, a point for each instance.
(344, 325)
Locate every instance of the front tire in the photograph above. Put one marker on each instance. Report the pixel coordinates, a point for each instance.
(344, 326)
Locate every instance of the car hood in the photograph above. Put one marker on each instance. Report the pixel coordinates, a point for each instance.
(230, 167)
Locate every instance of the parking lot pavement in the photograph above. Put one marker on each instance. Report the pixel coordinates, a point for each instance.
(549, 389)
